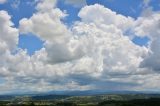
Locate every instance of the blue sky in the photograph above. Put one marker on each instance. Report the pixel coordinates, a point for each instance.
(79, 44)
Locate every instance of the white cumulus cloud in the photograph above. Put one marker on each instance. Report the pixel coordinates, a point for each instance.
(94, 53)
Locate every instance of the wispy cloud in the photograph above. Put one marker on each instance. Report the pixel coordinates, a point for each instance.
(76, 3)
(3, 1)
(15, 4)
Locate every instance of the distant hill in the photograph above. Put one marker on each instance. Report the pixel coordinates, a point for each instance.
(81, 93)
(89, 95)
(98, 92)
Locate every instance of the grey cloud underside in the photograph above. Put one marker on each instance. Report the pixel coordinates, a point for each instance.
(150, 26)
(94, 53)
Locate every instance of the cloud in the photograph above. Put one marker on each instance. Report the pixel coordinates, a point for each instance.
(8, 43)
(15, 4)
(99, 17)
(147, 9)
(148, 26)
(32, 3)
(46, 5)
(8, 34)
(56, 40)
(92, 50)
(152, 24)
(94, 53)
(76, 3)
(146, 3)
(3, 1)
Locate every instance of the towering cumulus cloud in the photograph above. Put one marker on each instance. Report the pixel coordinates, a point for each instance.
(152, 24)
(9, 35)
(8, 42)
(96, 52)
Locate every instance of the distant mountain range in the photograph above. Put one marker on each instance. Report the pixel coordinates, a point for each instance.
(71, 95)
(82, 93)
(99, 92)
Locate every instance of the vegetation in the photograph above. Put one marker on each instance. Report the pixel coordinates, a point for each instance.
(97, 100)
(136, 102)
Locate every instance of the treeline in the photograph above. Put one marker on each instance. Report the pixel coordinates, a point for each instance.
(136, 102)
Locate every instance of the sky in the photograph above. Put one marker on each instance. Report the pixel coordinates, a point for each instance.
(57, 45)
